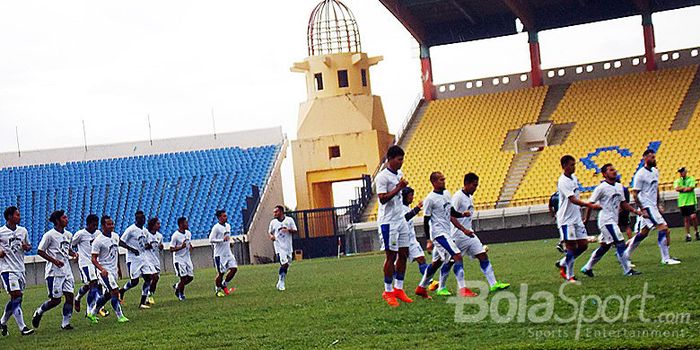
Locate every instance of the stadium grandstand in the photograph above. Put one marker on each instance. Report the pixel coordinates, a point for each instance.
(190, 176)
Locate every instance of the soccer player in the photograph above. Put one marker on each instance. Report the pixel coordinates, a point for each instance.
(55, 249)
(436, 222)
(571, 228)
(468, 242)
(281, 229)
(137, 263)
(104, 255)
(224, 260)
(13, 245)
(392, 226)
(154, 246)
(180, 245)
(82, 244)
(624, 218)
(646, 196)
(611, 197)
(415, 251)
(687, 202)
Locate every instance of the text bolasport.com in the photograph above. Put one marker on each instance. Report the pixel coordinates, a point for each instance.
(539, 307)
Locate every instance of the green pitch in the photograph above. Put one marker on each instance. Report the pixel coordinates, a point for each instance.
(331, 303)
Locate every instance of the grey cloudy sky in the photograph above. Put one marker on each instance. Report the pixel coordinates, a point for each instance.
(111, 63)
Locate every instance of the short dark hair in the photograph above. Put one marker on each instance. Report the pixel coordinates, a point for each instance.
(219, 212)
(280, 207)
(55, 216)
(393, 152)
(434, 176)
(9, 212)
(648, 152)
(605, 168)
(181, 220)
(470, 178)
(152, 223)
(104, 219)
(565, 159)
(405, 193)
(92, 218)
(138, 213)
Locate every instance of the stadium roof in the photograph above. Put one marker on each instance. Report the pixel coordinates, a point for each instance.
(441, 22)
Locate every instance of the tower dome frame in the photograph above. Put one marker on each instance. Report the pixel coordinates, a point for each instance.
(332, 29)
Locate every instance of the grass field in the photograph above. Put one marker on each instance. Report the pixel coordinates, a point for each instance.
(332, 303)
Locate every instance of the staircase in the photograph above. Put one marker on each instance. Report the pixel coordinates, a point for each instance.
(416, 118)
(516, 172)
(560, 132)
(554, 95)
(690, 102)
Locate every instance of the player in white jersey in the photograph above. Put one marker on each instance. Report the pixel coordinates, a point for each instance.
(154, 243)
(281, 229)
(470, 245)
(439, 213)
(137, 263)
(13, 244)
(611, 196)
(180, 246)
(224, 260)
(392, 226)
(569, 221)
(82, 244)
(645, 192)
(104, 255)
(55, 249)
(415, 251)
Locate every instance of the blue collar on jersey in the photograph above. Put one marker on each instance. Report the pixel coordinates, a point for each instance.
(648, 169)
(392, 171)
(439, 192)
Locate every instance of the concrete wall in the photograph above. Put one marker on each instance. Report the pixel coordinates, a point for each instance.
(566, 75)
(501, 225)
(243, 139)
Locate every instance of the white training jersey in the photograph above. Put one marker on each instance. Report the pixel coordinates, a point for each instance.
(646, 183)
(135, 238)
(153, 254)
(182, 255)
(568, 213)
(411, 229)
(57, 245)
(82, 244)
(437, 206)
(11, 244)
(463, 202)
(609, 196)
(216, 238)
(107, 250)
(283, 240)
(391, 211)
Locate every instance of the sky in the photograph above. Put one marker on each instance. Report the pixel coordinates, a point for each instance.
(112, 64)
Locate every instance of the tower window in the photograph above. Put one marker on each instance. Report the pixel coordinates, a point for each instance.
(333, 152)
(363, 72)
(318, 77)
(343, 78)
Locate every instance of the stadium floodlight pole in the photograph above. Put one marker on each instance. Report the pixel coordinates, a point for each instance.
(19, 152)
(84, 136)
(213, 122)
(150, 132)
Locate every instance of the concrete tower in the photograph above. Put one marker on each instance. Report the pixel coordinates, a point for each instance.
(341, 132)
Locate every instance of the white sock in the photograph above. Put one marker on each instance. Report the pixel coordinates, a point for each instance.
(19, 318)
(487, 269)
(388, 287)
(398, 284)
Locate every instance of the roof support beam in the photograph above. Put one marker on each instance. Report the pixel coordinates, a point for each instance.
(413, 25)
(522, 10)
(463, 11)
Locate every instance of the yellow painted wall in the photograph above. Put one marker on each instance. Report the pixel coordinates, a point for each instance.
(348, 117)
